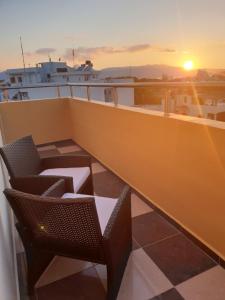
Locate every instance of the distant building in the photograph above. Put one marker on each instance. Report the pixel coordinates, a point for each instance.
(44, 73)
(219, 76)
(49, 72)
(202, 75)
(28, 84)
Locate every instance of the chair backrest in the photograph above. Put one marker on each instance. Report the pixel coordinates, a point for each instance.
(21, 157)
(68, 227)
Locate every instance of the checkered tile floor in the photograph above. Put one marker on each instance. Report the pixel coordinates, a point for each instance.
(164, 264)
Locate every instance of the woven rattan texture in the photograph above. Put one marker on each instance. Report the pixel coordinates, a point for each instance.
(62, 226)
(21, 157)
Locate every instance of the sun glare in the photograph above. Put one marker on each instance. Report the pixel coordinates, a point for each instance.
(188, 65)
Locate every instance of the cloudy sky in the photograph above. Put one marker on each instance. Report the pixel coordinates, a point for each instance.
(113, 33)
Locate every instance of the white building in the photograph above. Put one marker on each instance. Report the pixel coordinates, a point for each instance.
(38, 83)
(47, 72)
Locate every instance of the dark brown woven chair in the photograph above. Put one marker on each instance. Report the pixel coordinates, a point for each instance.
(50, 226)
(23, 162)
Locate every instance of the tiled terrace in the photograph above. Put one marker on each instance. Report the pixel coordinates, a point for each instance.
(164, 265)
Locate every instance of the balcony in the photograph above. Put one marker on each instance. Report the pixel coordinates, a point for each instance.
(175, 165)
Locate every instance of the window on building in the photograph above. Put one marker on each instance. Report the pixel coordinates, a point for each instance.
(61, 70)
(13, 79)
(108, 92)
(48, 77)
(21, 96)
(20, 79)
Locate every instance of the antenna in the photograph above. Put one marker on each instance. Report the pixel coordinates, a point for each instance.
(73, 53)
(130, 70)
(49, 58)
(21, 45)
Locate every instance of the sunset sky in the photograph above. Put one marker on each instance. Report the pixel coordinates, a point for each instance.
(114, 33)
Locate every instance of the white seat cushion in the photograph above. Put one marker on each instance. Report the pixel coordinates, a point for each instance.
(79, 175)
(104, 206)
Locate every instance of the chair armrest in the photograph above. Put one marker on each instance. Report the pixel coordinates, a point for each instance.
(33, 184)
(66, 161)
(121, 214)
(117, 238)
(68, 181)
(56, 190)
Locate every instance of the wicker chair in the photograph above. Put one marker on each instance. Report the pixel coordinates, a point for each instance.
(94, 229)
(23, 162)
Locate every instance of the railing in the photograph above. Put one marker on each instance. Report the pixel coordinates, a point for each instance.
(167, 86)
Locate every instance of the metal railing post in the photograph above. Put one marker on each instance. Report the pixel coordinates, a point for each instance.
(115, 96)
(20, 95)
(6, 95)
(71, 91)
(58, 92)
(215, 102)
(166, 104)
(88, 93)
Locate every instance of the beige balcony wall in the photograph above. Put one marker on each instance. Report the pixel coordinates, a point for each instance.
(46, 120)
(178, 164)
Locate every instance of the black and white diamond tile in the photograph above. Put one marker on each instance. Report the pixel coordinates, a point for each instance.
(179, 258)
(209, 285)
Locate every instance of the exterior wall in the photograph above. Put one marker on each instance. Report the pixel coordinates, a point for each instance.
(8, 268)
(46, 120)
(178, 164)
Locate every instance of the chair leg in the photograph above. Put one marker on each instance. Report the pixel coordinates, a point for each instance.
(115, 275)
(37, 262)
(118, 244)
(87, 188)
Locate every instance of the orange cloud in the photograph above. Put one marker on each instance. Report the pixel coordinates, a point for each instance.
(83, 53)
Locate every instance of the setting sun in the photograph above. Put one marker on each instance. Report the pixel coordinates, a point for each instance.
(188, 65)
